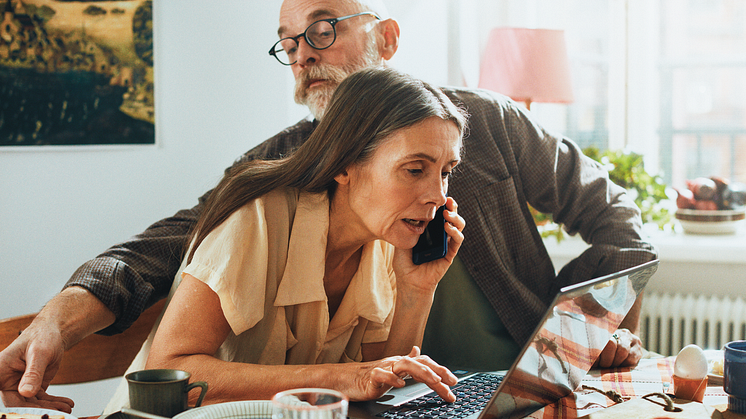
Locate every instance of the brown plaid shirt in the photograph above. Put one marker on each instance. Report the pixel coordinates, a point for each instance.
(508, 160)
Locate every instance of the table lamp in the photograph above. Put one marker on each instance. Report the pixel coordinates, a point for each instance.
(528, 65)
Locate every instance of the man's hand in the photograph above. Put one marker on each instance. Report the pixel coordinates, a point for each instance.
(623, 350)
(28, 365)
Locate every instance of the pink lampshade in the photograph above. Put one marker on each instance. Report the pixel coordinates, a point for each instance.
(528, 65)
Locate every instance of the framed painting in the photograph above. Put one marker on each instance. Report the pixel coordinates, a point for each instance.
(76, 73)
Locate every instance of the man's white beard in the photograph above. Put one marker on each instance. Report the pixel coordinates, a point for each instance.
(318, 98)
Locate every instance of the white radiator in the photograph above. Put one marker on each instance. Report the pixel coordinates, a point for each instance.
(671, 321)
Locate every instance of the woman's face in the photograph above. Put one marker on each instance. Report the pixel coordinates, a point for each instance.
(395, 194)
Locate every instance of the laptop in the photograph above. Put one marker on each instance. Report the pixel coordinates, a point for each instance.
(573, 332)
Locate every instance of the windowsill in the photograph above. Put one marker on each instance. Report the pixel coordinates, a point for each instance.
(702, 248)
(672, 247)
(690, 263)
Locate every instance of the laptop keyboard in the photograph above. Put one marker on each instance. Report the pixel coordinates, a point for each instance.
(472, 394)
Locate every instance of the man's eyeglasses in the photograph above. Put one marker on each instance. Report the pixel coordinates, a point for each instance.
(319, 35)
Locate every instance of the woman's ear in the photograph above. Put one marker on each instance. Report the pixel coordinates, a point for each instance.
(390, 32)
(343, 178)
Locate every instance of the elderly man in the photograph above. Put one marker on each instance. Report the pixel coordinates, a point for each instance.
(494, 294)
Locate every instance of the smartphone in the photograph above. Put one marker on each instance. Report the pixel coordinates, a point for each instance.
(433, 243)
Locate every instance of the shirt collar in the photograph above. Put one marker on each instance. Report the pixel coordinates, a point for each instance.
(369, 295)
(303, 279)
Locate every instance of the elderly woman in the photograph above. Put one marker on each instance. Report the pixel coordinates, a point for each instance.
(300, 271)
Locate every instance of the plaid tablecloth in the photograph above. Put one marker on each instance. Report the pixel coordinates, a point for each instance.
(650, 376)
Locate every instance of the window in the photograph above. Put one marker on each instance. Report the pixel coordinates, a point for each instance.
(702, 72)
(664, 78)
(588, 46)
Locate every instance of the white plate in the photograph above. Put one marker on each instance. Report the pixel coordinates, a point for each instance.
(714, 379)
(712, 356)
(245, 409)
(35, 411)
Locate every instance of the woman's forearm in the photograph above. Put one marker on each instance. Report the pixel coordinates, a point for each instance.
(415, 288)
(230, 381)
(410, 317)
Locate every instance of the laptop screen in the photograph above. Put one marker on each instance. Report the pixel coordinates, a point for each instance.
(570, 338)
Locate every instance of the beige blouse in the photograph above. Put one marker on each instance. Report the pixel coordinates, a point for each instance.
(266, 263)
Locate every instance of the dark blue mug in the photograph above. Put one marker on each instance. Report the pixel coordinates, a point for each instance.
(734, 375)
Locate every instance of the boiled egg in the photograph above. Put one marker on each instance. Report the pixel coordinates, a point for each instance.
(691, 363)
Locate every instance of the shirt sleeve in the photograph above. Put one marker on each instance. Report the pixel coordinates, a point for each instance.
(559, 179)
(232, 261)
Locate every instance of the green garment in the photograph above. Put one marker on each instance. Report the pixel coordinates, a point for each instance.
(463, 330)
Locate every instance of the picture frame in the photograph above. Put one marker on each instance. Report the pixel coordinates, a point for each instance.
(76, 73)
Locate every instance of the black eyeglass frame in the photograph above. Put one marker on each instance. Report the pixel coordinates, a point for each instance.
(333, 22)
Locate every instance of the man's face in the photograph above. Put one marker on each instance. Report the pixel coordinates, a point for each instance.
(319, 72)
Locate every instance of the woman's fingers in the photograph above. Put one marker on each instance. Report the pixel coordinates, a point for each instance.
(454, 226)
(451, 215)
(421, 368)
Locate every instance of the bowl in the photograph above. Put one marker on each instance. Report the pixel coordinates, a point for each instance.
(710, 221)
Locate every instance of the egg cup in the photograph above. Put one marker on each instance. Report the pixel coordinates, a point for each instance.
(689, 389)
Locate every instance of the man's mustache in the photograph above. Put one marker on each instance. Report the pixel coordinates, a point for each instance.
(316, 73)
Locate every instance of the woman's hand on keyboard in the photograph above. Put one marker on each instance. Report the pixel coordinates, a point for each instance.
(378, 377)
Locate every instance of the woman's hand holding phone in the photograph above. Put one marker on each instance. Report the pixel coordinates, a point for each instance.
(424, 265)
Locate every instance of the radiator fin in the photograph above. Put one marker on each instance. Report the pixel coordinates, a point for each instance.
(671, 321)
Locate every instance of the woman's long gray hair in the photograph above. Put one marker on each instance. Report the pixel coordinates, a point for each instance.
(367, 107)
